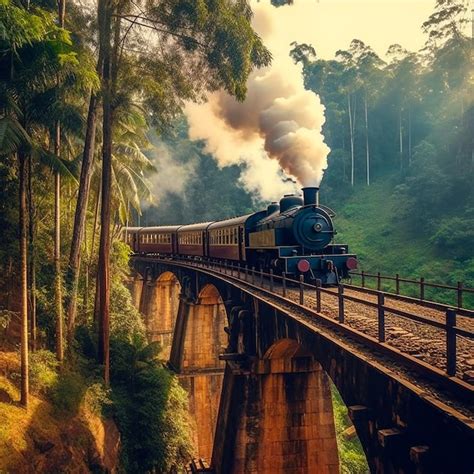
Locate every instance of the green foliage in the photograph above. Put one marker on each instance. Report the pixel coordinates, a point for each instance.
(378, 226)
(454, 237)
(151, 410)
(5, 318)
(43, 371)
(97, 398)
(351, 454)
(68, 392)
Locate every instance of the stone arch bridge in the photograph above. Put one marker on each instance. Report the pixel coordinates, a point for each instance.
(258, 374)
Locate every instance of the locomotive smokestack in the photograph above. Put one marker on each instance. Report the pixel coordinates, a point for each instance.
(311, 195)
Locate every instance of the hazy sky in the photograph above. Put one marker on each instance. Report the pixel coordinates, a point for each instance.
(330, 25)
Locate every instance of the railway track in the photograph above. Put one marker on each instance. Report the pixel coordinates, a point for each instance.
(415, 338)
(416, 330)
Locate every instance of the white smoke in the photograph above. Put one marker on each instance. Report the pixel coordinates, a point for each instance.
(276, 131)
(171, 175)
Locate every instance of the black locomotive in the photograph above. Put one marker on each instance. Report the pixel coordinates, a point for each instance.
(292, 236)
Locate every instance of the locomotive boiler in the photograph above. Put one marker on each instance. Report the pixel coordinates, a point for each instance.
(293, 236)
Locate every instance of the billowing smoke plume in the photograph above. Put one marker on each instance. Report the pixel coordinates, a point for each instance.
(276, 131)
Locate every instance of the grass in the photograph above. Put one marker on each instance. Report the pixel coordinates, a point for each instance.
(70, 419)
(386, 243)
(351, 454)
(18, 425)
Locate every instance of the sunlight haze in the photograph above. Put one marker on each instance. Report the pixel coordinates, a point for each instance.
(330, 25)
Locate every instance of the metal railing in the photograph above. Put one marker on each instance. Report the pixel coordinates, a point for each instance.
(266, 281)
(420, 283)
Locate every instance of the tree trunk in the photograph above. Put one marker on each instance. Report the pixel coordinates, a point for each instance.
(103, 274)
(94, 234)
(31, 259)
(61, 12)
(351, 130)
(400, 139)
(367, 151)
(58, 293)
(23, 278)
(409, 136)
(80, 214)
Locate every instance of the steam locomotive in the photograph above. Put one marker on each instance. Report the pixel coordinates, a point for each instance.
(292, 236)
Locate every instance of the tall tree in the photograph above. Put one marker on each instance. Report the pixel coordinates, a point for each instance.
(351, 86)
(58, 290)
(198, 46)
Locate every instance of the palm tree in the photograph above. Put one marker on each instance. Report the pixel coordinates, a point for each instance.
(34, 53)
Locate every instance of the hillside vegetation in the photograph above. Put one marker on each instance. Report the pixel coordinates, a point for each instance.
(384, 241)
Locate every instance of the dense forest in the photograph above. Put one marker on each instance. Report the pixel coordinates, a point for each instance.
(90, 119)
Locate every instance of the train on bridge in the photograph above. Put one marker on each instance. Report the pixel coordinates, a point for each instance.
(294, 236)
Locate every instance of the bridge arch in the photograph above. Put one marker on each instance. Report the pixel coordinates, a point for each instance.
(199, 339)
(159, 303)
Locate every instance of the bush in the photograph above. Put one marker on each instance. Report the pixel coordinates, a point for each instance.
(68, 392)
(150, 410)
(455, 236)
(97, 398)
(5, 318)
(43, 371)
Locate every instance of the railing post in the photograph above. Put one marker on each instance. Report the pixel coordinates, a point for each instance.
(261, 277)
(422, 289)
(283, 284)
(362, 274)
(341, 303)
(253, 275)
(459, 290)
(397, 284)
(378, 281)
(318, 296)
(246, 272)
(271, 280)
(381, 315)
(238, 270)
(301, 289)
(451, 342)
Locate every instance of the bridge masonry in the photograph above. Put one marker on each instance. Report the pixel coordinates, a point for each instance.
(284, 417)
(157, 299)
(273, 400)
(199, 338)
